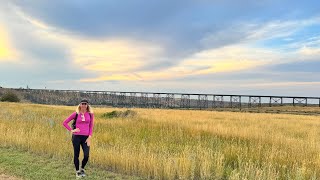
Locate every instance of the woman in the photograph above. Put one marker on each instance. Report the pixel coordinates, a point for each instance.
(81, 134)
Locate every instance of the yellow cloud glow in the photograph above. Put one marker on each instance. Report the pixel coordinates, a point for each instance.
(228, 59)
(310, 51)
(117, 77)
(115, 55)
(6, 52)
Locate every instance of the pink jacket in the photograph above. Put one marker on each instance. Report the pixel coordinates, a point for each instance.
(84, 123)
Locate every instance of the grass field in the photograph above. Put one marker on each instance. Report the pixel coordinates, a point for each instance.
(26, 165)
(174, 144)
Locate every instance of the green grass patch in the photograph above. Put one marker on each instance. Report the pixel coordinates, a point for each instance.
(27, 165)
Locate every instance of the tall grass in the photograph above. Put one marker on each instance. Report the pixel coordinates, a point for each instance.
(176, 144)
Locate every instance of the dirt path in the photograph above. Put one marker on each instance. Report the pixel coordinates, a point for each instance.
(6, 177)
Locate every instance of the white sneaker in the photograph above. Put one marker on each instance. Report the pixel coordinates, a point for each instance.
(78, 174)
(83, 173)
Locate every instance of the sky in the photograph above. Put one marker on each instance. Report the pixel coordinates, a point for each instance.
(248, 47)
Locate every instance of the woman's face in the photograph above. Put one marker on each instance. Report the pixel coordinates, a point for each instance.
(83, 106)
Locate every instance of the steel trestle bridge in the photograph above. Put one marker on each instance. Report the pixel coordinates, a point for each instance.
(161, 100)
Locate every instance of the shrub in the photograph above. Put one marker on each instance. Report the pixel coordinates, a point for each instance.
(10, 97)
(115, 114)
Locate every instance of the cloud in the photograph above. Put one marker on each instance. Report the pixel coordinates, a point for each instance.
(7, 52)
(105, 56)
(112, 55)
(180, 27)
(123, 59)
(310, 52)
(144, 44)
(286, 84)
(306, 66)
(221, 60)
(230, 58)
(102, 18)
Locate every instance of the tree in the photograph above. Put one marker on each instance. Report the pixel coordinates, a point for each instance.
(10, 97)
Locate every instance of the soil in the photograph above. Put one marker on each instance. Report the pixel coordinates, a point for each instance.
(6, 177)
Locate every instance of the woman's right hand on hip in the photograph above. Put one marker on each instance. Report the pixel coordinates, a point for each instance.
(75, 130)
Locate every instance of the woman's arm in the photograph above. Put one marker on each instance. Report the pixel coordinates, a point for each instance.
(91, 125)
(66, 121)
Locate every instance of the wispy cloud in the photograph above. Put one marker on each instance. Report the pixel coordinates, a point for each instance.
(27, 18)
(310, 51)
(286, 84)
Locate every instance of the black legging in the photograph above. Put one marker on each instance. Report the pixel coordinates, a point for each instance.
(78, 140)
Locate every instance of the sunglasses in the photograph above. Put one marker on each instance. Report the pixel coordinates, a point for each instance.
(83, 103)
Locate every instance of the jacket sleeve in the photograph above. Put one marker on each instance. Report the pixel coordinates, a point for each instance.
(66, 121)
(91, 125)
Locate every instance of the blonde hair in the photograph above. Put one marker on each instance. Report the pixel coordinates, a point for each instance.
(89, 108)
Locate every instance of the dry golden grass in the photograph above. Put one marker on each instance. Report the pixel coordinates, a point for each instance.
(176, 144)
